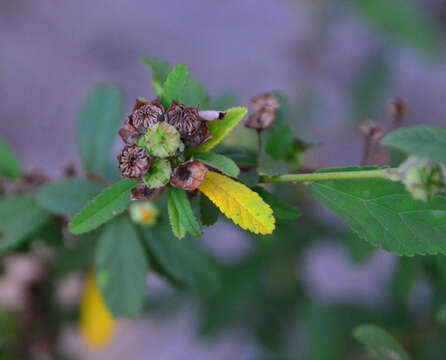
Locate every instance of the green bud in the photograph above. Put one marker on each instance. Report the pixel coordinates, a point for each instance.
(161, 140)
(144, 213)
(423, 182)
(159, 174)
(422, 177)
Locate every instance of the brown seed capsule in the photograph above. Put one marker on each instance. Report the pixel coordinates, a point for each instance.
(129, 134)
(372, 131)
(145, 115)
(265, 101)
(133, 162)
(188, 175)
(397, 110)
(142, 192)
(200, 136)
(261, 120)
(185, 120)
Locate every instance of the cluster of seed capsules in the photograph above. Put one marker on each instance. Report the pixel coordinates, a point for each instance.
(157, 143)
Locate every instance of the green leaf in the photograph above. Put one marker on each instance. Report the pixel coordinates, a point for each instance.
(181, 260)
(174, 85)
(195, 94)
(97, 126)
(281, 136)
(404, 20)
(406, 275)
(271, 166)
(66, 197)
(160, 70)
(219, 162)
(225, 100)
(181, 215)
(441, 316)
(424, 141)
(76, 257)
(108, 204)
(20, 219)
(9, 166)
(360, 251)
(208, 211)
(121, 268)
(240, 155)
(282, 113)
(380, 343)
(219, 129)
(383, 213)
(280, 141)
(177, 227)
(280, 209)
(369, 89)
(249, 178)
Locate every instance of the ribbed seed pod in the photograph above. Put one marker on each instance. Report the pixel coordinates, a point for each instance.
(159, 174)
(265, 101)
(161, 140)
(261, 120)
(133, 162)
(188, 175)
(145, 115)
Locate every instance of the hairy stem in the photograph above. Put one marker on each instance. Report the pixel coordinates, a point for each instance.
(342, 175)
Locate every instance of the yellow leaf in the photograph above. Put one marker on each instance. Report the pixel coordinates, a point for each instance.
(239, 203)
(96, 323)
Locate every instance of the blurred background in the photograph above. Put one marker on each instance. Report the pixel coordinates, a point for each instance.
(338, 61)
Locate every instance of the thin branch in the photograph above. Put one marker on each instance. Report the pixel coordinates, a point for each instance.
(342, 175)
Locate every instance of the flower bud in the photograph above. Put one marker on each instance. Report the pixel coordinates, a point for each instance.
(261, 120)
(159, 174)
(145, 115)
(397, 110)
(133, 162)
(422, 177)
(265, 101)
(161, 140)
(142, 192)
(188, 175)
(423, 182)
(144, 213)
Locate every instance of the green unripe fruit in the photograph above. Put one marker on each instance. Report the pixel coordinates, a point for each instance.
(159, 174)
(161, 140)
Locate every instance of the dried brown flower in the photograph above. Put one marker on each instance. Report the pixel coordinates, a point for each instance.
(200, 136)
(143, 192)
(372, 131)
(261, 120)
(133, 162)
(397, 109)
(145, 115)
(188, 175)
(265, 101)
(192, 128)
(185, 120)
